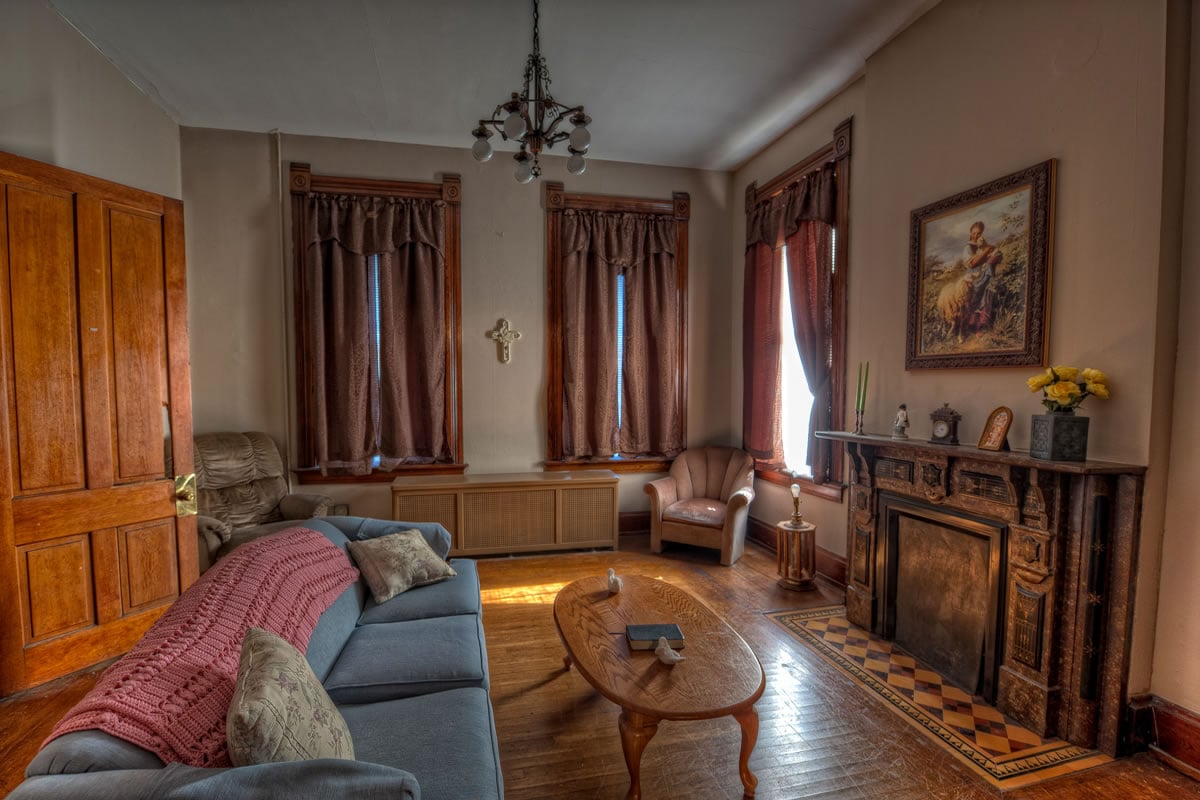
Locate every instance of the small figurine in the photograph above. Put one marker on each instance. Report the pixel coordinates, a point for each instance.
(665, 654)
(614, 582)
(900, 425)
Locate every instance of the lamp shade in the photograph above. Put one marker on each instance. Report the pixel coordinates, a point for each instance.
(514, 125)
(580, 139)
(482, 150)
(576, 164)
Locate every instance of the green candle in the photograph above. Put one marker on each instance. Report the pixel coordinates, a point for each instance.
(866, 376)
(858, 390)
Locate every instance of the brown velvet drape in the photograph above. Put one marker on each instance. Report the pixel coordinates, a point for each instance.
(393, 409)
(802, 216)
(596, 247)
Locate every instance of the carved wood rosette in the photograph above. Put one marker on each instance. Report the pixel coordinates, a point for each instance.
(1070, 533)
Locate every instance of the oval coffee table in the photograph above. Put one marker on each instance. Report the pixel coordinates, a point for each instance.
(720, 676)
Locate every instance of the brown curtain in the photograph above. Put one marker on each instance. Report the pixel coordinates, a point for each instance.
(787, 217)
(393, 409)
(597, 247)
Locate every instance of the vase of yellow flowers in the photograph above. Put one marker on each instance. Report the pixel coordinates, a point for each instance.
(1060, 435)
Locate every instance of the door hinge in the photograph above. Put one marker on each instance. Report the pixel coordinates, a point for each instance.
(185, 495)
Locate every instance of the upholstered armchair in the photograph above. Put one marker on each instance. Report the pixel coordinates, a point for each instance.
(704, 500)
(242, 493)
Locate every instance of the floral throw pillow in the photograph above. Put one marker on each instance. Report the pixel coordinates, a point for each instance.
(280, 711)
(397, 562)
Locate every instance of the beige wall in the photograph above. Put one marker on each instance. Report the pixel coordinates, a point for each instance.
(63, 103)
(239, 284)
(973, 91)
(1177, 640)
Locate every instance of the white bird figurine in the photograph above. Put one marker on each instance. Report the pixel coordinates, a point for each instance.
(665, 654)
(614, 583)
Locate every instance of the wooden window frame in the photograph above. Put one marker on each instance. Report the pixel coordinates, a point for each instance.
(836, 151)
(556, 201)
(302, 182)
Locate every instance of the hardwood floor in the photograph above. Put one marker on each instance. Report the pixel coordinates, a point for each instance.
(820, 734)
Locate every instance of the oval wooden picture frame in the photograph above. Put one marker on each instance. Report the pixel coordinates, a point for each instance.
(995, 430)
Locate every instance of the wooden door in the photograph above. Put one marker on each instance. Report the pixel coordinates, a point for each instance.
(95, 422)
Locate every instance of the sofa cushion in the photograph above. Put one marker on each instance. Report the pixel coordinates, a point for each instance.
(279, 711)
(457, 595)
(319, 779)
(460, 761)
(90, 751)
(362, 528)
(397, 562)
(389, 660)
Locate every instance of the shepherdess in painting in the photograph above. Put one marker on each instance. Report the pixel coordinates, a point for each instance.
(975, 277)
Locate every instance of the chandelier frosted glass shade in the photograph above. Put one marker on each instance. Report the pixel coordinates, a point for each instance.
(535, 120)
(481, 150)
(576, 163)
(525, 164)
(580, 139)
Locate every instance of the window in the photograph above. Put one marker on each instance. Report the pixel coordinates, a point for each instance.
(794, 326)
(617, 285)
(794, 389)
(376, 280)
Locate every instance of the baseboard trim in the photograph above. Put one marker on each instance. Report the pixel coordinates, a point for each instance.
(1176, 736)
(829, 564)
(630, 523)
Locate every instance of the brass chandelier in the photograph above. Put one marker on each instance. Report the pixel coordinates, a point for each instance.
(532, 119)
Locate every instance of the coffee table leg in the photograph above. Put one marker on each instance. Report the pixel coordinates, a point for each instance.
(636, 732)
(748, 719)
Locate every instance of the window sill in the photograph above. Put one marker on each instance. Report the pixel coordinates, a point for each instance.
(828, 491)
(614, 464)
(314, 476)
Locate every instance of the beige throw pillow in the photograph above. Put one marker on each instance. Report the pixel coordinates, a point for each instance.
(280, 711)
(397, 562)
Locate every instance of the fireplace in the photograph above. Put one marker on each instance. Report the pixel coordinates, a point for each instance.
(1012, 576)
(942, 579)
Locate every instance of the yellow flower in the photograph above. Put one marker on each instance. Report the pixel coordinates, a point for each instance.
(1040, 381)
(1066, 373)
(1094, 376)
(1063, 392)
(1098, 389)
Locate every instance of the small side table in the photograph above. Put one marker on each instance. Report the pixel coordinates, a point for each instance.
(796, 547)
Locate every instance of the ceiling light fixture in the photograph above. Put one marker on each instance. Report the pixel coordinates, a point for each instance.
(532, 120)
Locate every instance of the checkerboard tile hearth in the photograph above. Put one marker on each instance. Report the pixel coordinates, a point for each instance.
(1003, 752)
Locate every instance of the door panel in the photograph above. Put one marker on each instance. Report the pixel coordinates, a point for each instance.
(45, 402)
(148, 565)
(57, 587)
(139, 343)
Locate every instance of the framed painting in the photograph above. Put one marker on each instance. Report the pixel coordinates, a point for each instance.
(995, 430)
(979, 275)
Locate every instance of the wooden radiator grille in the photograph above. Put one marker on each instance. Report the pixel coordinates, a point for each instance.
(428, 508)
(587, 515)
(508, 519)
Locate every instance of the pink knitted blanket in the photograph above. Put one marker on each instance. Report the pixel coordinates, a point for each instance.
(170, 693)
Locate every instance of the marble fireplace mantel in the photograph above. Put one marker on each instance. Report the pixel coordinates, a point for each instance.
(1069, 564)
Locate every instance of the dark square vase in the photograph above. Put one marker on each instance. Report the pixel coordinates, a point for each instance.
(1058, 436)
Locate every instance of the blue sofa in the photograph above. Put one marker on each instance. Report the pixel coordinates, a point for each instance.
(410, 677)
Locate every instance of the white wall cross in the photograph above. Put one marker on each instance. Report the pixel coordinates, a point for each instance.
(504, 337)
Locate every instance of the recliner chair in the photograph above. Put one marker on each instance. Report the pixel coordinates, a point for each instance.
(242, 493)
(704, 500)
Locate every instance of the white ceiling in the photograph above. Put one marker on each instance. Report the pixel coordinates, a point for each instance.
(693, 83)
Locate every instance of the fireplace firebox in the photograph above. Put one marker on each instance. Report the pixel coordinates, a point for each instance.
(1012, 576)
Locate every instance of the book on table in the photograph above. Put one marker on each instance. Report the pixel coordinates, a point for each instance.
(645, 637)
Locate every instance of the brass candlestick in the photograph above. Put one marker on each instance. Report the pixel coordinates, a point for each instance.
(797, 519)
